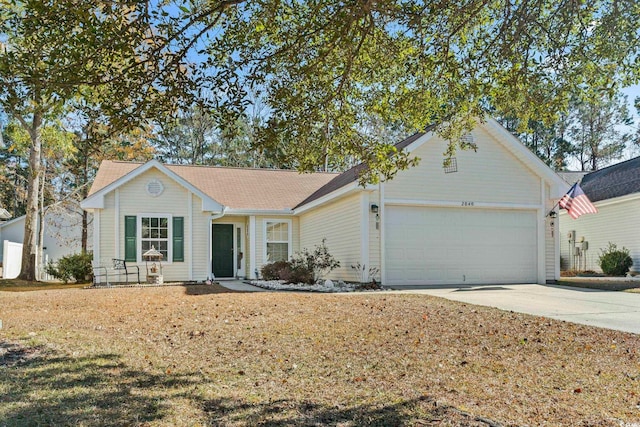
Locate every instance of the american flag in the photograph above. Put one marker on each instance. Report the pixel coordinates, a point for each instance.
(576, 202)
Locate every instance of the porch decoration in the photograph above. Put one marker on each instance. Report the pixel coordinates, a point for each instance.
(154, 270)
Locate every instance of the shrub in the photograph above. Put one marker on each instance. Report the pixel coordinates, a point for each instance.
(363, 273)
(283, 270)
(312, 266)
(276, 270)
(77, 267)
(614, 261)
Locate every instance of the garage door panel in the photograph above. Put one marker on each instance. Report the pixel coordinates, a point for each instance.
(459, 246)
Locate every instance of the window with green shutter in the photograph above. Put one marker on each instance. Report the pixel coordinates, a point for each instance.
(130, 238)
(178, 238)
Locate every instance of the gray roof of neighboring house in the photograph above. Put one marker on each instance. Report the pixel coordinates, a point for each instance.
(571, 177)
(613, 181)
(353, 174)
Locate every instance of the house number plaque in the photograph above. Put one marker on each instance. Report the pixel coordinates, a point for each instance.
(467, 203)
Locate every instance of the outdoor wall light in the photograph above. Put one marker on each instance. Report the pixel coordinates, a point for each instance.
(374, 208)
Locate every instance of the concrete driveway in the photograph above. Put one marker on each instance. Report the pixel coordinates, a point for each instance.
(613, 310)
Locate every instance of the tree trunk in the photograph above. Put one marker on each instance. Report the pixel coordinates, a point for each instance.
(28, 269)
(40, 246)
(85, 224)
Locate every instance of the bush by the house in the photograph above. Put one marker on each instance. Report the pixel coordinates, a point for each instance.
(75, 267)
(316, 263)
(614, 261)
(279, 270)
(283, 270)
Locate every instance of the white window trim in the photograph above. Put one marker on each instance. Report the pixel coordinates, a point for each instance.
(169, 217)
(264, 236)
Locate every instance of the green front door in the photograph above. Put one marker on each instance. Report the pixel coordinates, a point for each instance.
(222, 262)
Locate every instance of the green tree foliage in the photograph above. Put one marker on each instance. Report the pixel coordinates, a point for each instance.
(324, 65)
(550, 142)
(54, 52)
(597, 130)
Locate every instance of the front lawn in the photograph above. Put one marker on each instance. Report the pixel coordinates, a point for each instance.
(17, 285)
(191, 356)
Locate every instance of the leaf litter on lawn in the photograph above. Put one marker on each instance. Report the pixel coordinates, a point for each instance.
(165, 356)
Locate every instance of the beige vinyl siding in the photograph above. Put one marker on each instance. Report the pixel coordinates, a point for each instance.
(174, 200)
(107, 231)
(615, 222)
(491, 175)
(201, 240)
(340, 223)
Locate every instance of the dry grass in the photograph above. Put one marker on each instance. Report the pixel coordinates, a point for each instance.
(17, 285)
(194, 356)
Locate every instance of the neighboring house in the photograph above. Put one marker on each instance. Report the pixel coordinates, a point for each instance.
(615, 191)
(62, 234)
(483, 221)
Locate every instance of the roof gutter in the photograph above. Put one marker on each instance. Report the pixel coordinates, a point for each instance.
(340, 192)
(220, 215)
(229, 211)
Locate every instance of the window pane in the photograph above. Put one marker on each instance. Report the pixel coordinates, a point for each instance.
(277, 232)
(277, 252)
(155, 233)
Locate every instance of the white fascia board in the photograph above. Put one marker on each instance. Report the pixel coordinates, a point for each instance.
(96, 200)
(12, 221)
(558, 186)
(419, 142)
(258, 212)
(340, 192)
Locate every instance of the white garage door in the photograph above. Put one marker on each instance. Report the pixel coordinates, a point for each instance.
(459, 246)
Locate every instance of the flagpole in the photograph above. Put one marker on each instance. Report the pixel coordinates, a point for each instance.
(558, 202)
(553, 209)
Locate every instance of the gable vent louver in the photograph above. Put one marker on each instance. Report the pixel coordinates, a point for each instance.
(467, 139)
(155, 188)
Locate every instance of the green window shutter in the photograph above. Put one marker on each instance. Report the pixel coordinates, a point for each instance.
(178, 238)
(130, 246)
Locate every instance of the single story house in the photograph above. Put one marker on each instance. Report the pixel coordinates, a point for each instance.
(615, 192)
(480, 220)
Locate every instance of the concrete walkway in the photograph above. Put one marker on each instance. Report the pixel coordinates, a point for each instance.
(239, 285)
(613, 310)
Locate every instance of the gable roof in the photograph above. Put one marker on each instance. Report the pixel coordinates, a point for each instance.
(233, 188)
(351, 176)
(514, 145)
(613, 181)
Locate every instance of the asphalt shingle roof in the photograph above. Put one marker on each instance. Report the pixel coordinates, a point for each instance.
(244, 188)
(613, 181)
(353, 174)
(237, 188)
